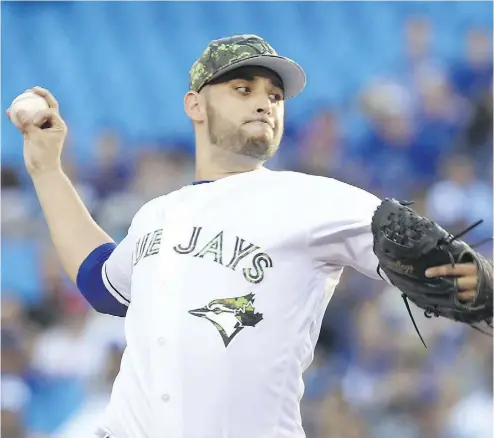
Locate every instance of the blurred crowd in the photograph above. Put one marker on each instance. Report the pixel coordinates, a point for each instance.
(425, 134)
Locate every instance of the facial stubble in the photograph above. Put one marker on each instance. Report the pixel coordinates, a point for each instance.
(227, 136)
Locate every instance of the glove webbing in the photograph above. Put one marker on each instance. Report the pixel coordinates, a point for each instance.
(430, 312)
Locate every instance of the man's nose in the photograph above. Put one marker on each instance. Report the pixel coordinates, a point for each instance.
(264, 105)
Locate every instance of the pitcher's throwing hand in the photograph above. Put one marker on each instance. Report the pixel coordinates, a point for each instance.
(44, 135)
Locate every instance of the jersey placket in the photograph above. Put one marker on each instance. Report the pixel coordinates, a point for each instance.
(165, 352)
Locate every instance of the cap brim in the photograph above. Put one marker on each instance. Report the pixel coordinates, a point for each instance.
(291, 74)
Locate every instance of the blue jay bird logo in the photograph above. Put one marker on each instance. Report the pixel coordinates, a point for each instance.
(230, 315)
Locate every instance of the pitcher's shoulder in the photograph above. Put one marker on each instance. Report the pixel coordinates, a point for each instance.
(158, 205)
(300, 178)
(315, 187)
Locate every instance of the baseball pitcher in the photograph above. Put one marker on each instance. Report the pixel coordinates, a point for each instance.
(224, 283)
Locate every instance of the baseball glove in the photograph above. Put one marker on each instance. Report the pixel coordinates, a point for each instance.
(407, 244)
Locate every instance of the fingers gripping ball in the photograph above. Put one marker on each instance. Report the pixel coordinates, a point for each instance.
(29, 103)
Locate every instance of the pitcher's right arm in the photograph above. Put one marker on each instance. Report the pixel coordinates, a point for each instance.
(82, 246)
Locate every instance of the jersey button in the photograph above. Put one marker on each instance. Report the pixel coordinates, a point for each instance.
(165, 398)
(162, 341)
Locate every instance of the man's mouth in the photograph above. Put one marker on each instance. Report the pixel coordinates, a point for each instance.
(261, 121)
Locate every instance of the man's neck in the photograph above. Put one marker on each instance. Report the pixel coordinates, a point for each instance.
(213, 163)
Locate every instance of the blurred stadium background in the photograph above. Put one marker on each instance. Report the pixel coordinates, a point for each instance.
(399, 102)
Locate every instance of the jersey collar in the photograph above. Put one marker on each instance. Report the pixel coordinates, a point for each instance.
(194, 183)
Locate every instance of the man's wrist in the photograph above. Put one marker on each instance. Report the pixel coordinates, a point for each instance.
(41, 174)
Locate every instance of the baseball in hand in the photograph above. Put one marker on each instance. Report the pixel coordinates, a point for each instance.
(28, 102)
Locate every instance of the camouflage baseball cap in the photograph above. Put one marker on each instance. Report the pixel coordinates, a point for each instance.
(226, 54)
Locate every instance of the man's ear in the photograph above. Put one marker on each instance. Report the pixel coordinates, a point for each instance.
(195, 106)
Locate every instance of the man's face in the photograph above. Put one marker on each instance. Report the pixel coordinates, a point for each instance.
(245, 112)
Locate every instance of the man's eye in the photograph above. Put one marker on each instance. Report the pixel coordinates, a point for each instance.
(276, 97)
(243, 90)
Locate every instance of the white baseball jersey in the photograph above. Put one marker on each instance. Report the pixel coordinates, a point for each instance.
(228, 283)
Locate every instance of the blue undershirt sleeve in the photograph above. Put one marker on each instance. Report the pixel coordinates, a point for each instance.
(95, 285)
